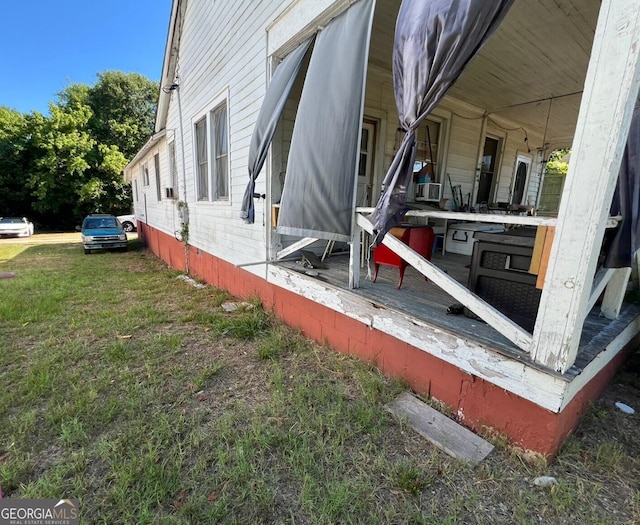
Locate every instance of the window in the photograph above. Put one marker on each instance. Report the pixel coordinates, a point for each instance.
(220, 149)
(135, 188)
(211, 150)
(156, 167)
(145, 174)
(202, 161)
(519, 192)
(426, 167)
(488, 171)
(173, 169)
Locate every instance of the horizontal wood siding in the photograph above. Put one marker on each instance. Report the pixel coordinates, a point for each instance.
(223, 49)
(463, 148)
(162, 214)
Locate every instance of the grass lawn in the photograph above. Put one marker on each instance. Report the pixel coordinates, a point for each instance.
(143, 397)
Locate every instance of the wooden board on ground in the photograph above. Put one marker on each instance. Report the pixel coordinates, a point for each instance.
(444, 433)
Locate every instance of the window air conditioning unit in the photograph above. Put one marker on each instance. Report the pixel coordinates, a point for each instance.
(168, 193)
(429, 191)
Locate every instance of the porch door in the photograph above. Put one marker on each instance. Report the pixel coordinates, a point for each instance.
(365, 167)
(520, 183)
(488, 176)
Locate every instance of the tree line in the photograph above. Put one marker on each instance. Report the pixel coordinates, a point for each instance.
(56, 169)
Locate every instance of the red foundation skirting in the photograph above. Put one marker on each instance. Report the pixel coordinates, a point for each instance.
(479, 404)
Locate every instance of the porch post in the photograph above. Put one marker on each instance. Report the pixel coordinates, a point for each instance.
(610, 93)
(615, 292)
(354, 254)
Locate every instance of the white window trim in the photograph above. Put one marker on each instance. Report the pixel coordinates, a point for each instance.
(443, 118)
(527, 158)
(502, 137)
(206, 112)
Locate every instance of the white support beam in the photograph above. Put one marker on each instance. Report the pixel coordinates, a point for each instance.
(615, 292)
(355, 256)
(460, 293)
(520, 220)
(610, 93)
(599, 284)
(302, 243)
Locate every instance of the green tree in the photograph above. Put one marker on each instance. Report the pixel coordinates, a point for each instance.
(14, 194)
(124, 106)
(58, 168)
(557, 162)
(74, 96)
(62, 145)
(106, 189)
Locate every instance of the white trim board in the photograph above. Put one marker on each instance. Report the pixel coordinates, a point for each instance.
(299, 21)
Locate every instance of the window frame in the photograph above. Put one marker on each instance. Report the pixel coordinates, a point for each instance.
(207, 119)
(201, 157)
(219, 159)
(145, 173)
(173, 168)
(156, 168)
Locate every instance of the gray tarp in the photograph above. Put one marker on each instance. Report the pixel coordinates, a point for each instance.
(272, 106)
(434, 41)
(624, 241)
(318, 194)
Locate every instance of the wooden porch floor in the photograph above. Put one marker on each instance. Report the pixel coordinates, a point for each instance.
(425, 301)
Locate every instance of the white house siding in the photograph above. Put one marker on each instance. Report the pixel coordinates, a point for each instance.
(464, 141)
(147, 207)
(379, 96)
(223, 54)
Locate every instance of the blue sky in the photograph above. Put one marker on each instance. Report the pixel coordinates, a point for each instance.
(49, 44)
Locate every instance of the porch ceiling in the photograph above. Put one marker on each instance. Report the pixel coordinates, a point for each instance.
(532, 67)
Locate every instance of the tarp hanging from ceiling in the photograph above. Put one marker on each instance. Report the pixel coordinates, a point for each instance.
(318, 194)
(625, 239)
(434, 41)
(274, 100)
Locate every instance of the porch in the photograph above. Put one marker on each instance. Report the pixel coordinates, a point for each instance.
(425, 303)
(498, 351)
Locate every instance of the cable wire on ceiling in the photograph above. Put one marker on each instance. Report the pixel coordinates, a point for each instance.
(552, 97)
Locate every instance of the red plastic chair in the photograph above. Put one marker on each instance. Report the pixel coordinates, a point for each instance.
(419, 240)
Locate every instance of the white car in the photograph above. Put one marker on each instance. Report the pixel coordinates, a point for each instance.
(128, 222)
(15, 227)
